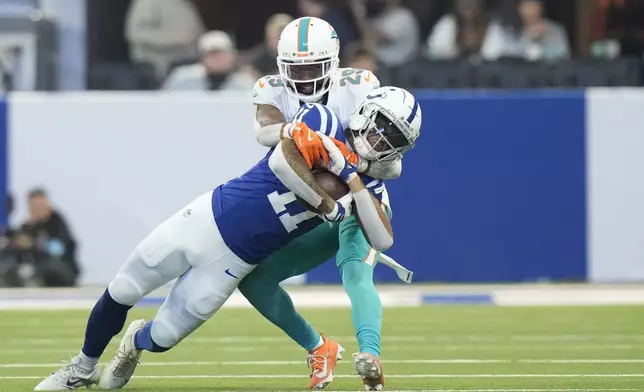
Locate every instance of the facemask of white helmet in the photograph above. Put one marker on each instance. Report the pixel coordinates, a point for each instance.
(378, 135)
(308, 80)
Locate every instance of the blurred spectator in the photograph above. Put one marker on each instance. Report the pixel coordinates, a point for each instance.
(42, 251)
(338, 16)
(263, 57)
(7, 266)
(216, 71)
(5, 230)
(541, 39)
(392, 30)
(618, 28)
(163, 32)
(12, 75)
(427, 13)
(469, 31)
(6, 74)
(360, 57)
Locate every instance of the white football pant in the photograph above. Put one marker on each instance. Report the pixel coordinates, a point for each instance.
(188, 245)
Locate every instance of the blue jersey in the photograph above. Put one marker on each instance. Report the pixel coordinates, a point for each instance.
(257, 215)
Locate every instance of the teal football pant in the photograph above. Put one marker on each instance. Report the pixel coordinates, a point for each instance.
(354, 258)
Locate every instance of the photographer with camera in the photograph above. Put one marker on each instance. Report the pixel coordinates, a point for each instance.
(42, 252)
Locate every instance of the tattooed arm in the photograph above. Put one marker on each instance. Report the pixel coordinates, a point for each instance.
(290, 167)
(269, 124)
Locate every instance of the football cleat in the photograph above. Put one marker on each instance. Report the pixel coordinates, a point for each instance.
(71, 376)
(119, 370)
(322, 361)
(370, 369)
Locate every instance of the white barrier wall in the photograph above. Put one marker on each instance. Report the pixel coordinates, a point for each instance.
(117, 165)
(615, 148)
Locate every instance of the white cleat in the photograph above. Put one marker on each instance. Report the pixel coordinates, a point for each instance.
(119, 370)
(71, 376)
(369, 369)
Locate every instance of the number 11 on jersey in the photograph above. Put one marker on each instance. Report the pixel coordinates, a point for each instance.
(289, 221)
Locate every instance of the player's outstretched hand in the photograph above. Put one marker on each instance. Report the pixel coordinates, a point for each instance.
(309, 144)
(342, 209)
(338, 163)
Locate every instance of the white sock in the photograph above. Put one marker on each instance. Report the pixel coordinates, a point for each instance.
(87, 363)
(320, 343)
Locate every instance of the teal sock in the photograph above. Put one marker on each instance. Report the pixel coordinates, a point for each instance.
(264, 292)
(366, 309)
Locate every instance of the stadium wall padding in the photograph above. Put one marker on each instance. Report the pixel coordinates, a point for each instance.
(615, 135)
(495, 191)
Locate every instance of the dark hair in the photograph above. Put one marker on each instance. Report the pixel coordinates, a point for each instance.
(37, 192)
(479, 24)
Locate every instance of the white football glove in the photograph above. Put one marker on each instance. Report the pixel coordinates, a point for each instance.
(342, 209)
(338, 164)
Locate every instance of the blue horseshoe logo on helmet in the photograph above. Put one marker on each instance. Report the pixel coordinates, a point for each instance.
(378, 95)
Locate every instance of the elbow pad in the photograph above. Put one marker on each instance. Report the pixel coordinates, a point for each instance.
(269, 135)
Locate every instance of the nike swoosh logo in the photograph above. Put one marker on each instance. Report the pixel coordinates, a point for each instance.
(77, 383)
(261, 84)
(230, 273)
(368, 77)
(309, 136)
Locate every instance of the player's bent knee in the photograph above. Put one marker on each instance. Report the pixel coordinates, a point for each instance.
(164, 336)
(356, 272)
(204, 307)
(124, 291)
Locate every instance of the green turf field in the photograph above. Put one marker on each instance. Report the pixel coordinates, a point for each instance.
(483, 348)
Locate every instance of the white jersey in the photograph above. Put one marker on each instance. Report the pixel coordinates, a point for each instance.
(350, 87)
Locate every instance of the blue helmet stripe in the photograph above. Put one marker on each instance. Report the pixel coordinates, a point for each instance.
(414, 110)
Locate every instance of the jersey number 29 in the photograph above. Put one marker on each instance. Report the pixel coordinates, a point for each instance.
(289, 221)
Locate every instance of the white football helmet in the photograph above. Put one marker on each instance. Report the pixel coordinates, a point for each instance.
(307, 56)
(386, 124)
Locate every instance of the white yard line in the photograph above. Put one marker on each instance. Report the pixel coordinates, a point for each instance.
(303, 376)
(590, 361)
(639, 338)
(267, 363)
(467, 361)
(66, 348)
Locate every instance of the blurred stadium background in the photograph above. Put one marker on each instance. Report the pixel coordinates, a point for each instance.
(524, 189)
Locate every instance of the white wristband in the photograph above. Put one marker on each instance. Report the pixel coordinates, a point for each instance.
(287, 130)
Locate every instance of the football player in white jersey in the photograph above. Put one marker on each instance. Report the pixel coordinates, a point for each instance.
(308, 61)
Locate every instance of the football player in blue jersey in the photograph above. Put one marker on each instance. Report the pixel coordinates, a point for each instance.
(210, 245)
(384, 126)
